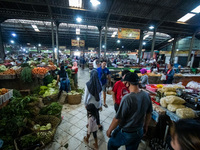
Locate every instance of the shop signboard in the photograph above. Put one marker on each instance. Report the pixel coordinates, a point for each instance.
(62, 47)
(127, 33)
(90, 48)
(74, 42)
(82, 43)
(78, 43)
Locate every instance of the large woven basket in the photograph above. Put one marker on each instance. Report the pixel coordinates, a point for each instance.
(44, 120)
(74, 99)
(18, 147)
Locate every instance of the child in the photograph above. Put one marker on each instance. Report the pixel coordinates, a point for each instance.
(92, 124)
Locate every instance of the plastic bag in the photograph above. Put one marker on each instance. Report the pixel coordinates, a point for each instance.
(62, 97)
(163, 77)
(169, 93)
(109, 91)
(163, 102)
(185, 113)
(174, 100)
(174, 107)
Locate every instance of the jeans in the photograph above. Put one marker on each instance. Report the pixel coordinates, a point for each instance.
(130, 140)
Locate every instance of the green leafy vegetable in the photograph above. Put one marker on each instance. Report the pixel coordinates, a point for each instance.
(53, 109)
(26, 74)
(29, 140)
(16, 93)
(48, 79)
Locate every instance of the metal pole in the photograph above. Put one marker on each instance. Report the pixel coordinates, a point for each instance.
(105, 49)
(100, 41)
(191, 46)
(57, 44)
(173, 50)
(2, 51)
(140, 45)
(153, 42)
(52, 36)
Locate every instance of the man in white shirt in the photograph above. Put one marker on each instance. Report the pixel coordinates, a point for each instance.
(95, 64)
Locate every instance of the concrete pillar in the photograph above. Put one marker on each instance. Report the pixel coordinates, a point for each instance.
(2, 51)
(153, 42)
(191, 46)
(105, 49)
(173, 49)
(52, 36)
(57, 43)
(100, 41)
(140, 46)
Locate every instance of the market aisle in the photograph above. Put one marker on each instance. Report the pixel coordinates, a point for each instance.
(73, 126)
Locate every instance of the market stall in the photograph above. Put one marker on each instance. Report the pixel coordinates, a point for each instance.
(175, 101)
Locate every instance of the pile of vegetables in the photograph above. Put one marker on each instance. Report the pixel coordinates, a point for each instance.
(14, 120)
(44, 132)
(26, 74)
(29, 140)
(53, 109)
(51, 67)
(78, 91)
(8, 72)
(48, 90)
(37, 127)
(39, 71)
(3, 91)
(3, 68)
(48, 79)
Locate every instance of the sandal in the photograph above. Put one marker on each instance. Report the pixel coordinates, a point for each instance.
(85, 140)
(105, 105)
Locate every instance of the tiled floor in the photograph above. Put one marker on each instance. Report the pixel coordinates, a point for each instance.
(73, 126)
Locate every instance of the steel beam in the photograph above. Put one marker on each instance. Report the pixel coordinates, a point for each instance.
(173, 49)
(52, 37)
(191, 46)
(2, 51)
(140, 46)
(57, 42)
(100, 41)
(153, 42)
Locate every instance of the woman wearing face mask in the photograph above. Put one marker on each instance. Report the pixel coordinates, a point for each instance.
(186, 135)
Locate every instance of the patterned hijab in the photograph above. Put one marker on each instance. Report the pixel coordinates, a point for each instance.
(94, 86)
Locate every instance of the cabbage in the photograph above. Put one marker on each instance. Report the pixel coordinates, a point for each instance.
(3, 68)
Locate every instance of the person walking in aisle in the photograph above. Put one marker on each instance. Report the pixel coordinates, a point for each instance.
(119, 90)
(95, 63)
(92, 124)
(133, 117)
(104, 74)
(92, 94)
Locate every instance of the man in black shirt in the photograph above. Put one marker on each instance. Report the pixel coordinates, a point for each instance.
(132, 118)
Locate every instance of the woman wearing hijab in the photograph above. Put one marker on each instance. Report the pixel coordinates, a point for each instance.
(144, 78)
(74, 72)
(92, 94)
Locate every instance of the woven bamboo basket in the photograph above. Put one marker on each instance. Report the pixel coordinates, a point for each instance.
(40, 145)
(74, 99)
(47, 135)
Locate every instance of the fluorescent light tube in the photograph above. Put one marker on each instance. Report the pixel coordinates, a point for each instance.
(186, 17)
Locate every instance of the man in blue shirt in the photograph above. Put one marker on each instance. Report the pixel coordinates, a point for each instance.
(104, 74)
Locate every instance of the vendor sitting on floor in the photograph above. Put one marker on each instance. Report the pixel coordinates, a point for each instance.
(144, 78)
